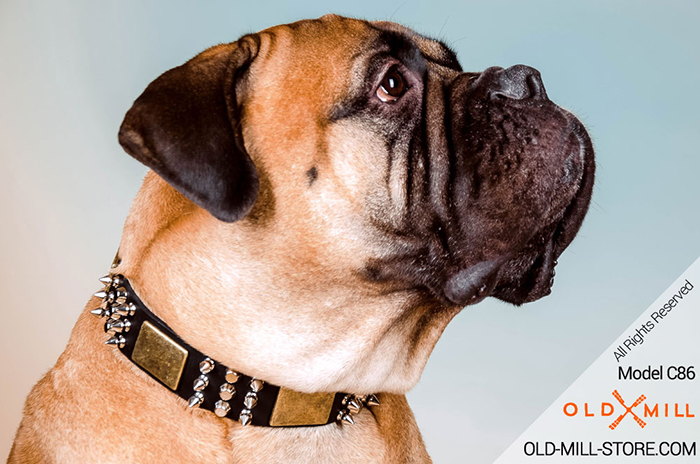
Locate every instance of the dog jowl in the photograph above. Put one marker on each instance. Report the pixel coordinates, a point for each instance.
(324, 197)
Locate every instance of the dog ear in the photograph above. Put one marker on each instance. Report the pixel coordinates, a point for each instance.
(186, 127)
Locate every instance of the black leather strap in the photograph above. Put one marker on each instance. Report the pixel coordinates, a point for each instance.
(266, 397)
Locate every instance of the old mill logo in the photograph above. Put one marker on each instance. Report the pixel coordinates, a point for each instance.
(636, 409)
(617, 421)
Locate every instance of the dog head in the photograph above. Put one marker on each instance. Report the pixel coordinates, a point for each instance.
(360, 164)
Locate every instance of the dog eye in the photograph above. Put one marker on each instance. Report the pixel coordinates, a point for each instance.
(392, 86)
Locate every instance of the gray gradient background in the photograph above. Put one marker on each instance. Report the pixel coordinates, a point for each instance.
(630, 70)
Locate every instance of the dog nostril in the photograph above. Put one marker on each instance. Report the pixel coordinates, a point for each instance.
(535, 85)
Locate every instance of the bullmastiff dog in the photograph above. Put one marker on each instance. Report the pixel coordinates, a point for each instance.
(324, 197)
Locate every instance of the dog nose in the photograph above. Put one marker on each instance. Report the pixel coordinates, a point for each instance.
(518, 82)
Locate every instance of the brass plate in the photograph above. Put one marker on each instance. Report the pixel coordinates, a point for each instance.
(294, 408)
(159, 355)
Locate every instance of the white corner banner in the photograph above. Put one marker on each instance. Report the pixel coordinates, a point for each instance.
(639, 402)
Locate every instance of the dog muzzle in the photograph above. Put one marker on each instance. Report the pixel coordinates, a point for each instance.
(206, 383)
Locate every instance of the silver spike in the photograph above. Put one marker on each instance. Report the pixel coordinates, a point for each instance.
(118, 296)
(344, 415)
(124, 310)
(245, 417)
(117, 325)
(125, 324)
(111, 311)
(99, 312)
(117, 340)
(227, 391)
(195, 400)
(112, 296)
(221, 408)
(231, 376)
(354, 406)
(250, 400)
(206, 366)
(200, 383)
(112, 280)
(256, 385)
(109, 325)
(372, 400)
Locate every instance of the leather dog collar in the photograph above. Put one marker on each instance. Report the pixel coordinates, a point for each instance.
(204, 382)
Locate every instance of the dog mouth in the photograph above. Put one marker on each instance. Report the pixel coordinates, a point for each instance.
(521, 276)
(529, 276)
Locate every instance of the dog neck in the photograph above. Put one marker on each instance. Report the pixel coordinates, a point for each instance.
(231, 292)
(204, 382)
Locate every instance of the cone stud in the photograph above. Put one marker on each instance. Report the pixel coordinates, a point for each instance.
(118, 296)
(250, 400)
(195, 400)
(345, 416)
(117, 340)
(231, 376)
(117, 326)
(354, 406)
(221, 408)
(200, 383)
(245, 417)
(206, 366)
(227, 391)
(124, 310)
(256, 385)
(112, 280)
(99, 312)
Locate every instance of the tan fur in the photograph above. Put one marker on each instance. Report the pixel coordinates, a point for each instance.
(276, 295)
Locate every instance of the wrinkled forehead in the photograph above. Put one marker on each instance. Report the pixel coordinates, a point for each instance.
(326, 57)
(433, 50)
